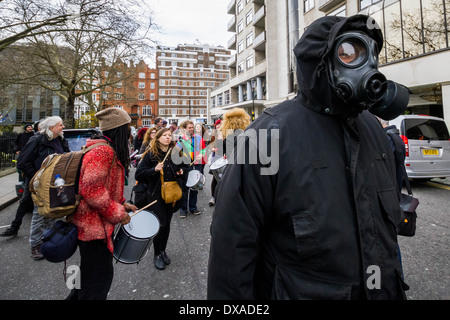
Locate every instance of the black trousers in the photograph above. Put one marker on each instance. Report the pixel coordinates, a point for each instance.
(97, 271)
(164, 212)
(25, 205)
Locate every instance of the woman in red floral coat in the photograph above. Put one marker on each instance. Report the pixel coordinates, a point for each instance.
(101, 186)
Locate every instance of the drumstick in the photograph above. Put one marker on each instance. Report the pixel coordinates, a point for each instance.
(166, 155)
(136, 212)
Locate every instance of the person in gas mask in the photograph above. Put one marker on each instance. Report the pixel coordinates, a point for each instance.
(324, 224)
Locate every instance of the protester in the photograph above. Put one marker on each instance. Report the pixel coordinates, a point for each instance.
(22, 138)
(49, 140)
(192, 145)
(398, 149)
(148, 172)
(216, 139)
(158, 123)
(102, 204)
(139, 138)
(318, 221)
(148, 137)
(235, 121)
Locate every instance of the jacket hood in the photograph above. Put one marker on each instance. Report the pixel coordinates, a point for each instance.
(312, 51)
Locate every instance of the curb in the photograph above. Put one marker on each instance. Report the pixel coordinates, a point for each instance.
(8, 203)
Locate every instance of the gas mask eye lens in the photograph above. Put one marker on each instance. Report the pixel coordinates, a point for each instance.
(352, 52)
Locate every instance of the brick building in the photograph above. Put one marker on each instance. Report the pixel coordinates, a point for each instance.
(185, 75)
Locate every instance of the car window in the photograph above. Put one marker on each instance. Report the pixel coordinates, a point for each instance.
(77, 140)
(426, 129)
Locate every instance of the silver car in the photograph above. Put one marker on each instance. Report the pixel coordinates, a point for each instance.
(427, 146)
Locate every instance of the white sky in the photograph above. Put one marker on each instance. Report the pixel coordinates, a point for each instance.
(184, 21)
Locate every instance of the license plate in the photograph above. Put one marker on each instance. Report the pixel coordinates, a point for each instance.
(430, 152)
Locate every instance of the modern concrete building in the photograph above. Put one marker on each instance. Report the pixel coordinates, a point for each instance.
(415, 52)
(185, 75)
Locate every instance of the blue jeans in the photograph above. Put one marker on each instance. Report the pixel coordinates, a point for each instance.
(37, 227)
(190, 195)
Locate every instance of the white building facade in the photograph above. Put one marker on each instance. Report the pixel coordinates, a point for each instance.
(416, 51)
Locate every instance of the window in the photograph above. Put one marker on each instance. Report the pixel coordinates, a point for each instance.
(240, 26)
(141, 85)
(241, 67)
(146, 110)
(249, 62)
(141, 96)
(152, 85)
(152, 96)
(118, 96)
(152, 76)
(249, 17)
(365, 3)
(141, 75)
(308, 5)
(240, 6)
(249, 39)
(241, 46)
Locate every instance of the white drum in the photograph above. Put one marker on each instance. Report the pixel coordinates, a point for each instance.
(218, 167)
(196, 180)
(132, 240)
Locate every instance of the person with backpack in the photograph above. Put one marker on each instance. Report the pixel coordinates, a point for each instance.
(49, 140)
(102, 205)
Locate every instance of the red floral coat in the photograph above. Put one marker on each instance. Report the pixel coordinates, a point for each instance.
(101, 188)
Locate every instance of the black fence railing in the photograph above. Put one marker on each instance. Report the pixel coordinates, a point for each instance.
(6, 152)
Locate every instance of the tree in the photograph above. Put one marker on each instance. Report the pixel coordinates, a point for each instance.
(71, 59)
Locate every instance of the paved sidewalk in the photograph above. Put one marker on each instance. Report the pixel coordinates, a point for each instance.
(8, 179)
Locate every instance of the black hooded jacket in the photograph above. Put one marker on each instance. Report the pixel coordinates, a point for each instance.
(324, 225)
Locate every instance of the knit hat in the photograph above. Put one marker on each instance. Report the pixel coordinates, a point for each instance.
(112, 118)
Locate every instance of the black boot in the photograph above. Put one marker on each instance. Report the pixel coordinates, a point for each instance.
(10, 232)
(159, 262)
(165, 258)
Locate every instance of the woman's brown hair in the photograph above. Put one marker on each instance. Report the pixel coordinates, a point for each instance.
(155, 146)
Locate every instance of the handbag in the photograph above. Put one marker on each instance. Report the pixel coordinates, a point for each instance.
(170, 190)
(60, 241)
(408, 204)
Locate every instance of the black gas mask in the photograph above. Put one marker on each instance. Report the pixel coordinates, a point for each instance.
(354, 74)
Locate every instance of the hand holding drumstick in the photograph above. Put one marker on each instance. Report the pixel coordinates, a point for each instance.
(160, 165)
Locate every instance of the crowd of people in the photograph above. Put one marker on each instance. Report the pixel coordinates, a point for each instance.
(324, 226)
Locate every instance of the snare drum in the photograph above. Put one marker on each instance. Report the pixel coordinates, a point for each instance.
(132, 240)
(196, 180)
(218, 167)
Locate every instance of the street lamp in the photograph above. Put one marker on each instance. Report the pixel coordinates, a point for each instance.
(189, 108)
(253, 83)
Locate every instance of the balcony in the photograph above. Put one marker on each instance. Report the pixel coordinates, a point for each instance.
(259, 43)
(231, 26)
(258, 18)
(231, 9)
(327, 5)
(232, 61)
(232, 43)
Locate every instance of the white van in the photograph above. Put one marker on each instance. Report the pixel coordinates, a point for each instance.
(427, 143)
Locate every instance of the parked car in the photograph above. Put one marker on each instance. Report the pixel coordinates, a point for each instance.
(76, 139)
(427, 144)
